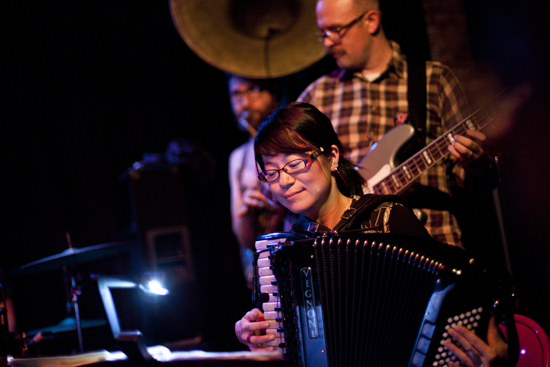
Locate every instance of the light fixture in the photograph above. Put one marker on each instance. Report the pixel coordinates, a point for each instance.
(152, 283)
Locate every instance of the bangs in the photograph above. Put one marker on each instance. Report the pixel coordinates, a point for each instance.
(285, 142)
(281, 133)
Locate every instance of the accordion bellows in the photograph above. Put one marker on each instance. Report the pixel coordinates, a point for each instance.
(369, 299)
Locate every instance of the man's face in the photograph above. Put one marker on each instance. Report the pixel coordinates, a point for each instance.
(249, 102)
(353, 49)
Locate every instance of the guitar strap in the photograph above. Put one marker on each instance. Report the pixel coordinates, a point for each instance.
(416, 96)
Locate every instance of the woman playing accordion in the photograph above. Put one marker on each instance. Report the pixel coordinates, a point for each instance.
(299, 159)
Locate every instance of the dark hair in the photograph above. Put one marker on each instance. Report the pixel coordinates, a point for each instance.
(300, 127)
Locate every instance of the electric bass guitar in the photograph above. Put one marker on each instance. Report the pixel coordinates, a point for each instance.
(380, 168)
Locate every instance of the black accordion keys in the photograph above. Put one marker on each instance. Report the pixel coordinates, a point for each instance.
(369, 299)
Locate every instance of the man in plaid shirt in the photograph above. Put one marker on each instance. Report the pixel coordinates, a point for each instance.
(367, 96)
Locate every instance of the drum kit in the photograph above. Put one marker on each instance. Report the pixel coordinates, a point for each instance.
(70, 261)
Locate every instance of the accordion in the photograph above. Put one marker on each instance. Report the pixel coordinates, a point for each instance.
(372, 300)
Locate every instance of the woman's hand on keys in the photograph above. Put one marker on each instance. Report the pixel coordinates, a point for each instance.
(250, 330)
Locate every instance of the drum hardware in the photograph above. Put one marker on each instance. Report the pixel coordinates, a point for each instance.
(71, 258)
(72, 305)
(68, 261)
(66, 325)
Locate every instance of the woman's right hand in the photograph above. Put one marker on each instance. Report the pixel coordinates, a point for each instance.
(246, 327)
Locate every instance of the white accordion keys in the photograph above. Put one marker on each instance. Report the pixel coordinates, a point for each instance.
(268, 285)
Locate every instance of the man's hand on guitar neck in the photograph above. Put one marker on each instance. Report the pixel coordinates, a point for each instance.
(468, 148)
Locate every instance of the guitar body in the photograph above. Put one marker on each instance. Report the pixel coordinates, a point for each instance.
(384, 155)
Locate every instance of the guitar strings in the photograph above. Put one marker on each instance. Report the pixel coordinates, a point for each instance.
(398, 179)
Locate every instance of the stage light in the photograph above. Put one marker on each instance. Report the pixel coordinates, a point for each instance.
(151, 283)
(153, 286)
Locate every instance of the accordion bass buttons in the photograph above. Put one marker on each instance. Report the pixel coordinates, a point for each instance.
(268, 285)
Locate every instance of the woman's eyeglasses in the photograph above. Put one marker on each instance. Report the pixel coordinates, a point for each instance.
(295, 166)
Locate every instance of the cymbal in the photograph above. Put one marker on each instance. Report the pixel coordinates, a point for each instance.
(250, 38)
(71, 257)
(66, 325)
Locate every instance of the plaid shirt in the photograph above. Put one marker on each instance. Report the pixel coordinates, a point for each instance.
(363, 111)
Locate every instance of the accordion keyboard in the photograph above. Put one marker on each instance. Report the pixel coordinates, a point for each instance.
(272, 312)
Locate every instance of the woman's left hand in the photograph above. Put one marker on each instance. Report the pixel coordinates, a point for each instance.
(476, 352)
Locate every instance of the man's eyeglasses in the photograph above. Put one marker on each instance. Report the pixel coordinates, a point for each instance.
(295, 166)
(336, 34)
(252, 93)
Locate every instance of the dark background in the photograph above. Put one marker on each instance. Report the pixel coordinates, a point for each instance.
(88, 87)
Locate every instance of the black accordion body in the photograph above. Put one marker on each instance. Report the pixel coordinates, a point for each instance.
(369, 299)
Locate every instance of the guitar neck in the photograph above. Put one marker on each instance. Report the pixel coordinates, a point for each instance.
(407, 172)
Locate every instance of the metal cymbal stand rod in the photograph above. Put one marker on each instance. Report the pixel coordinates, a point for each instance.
(75, 293)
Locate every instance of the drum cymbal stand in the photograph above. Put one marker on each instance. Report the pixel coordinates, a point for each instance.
(73, 291)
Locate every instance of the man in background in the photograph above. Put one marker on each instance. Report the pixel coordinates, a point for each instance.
(367, 97)
(252, 213)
